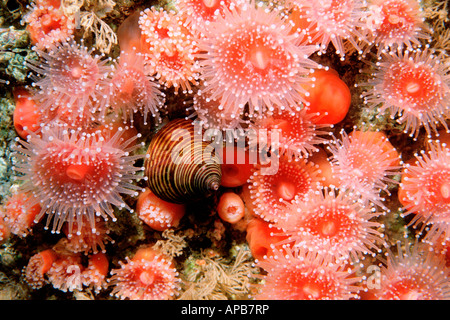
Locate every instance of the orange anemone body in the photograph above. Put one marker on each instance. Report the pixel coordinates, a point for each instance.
(329, 97)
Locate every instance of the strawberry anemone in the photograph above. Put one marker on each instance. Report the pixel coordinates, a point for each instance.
(77, 176)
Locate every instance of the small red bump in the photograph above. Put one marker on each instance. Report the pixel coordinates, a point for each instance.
(231, 207)
(329, 97)
(26, 114)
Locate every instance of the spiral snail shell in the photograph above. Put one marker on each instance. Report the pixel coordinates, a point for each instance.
(175, 165)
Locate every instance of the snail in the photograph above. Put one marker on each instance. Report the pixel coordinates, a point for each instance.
(178, 168)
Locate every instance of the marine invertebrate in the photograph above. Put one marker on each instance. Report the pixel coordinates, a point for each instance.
(128, 133)
(178, 166)
(325, 22)
(250, 57)
(425, 191)
(322, 160)
(69, 79)
(48, 24)
(263, 238)
(169, 48)
(271, 193)
(396, 23)
(329, 97)
(437, 13)
(199, 243)
(200, 13)
(230, 207)
(172, 244)
(94, 275)
(362, 163)
(236, 166)
(333, 224)
(441, 247)
(38, 266)
(149, 275)
(74, 175)
(18, 215)
(300, 132)
(414, 85)
(26, 115)
(105, 37)
(305, 276)
(87, 238)
(158, 214)
(213, 116)
(129, 34)
(131, 90)
(413, 273)
(65, 273)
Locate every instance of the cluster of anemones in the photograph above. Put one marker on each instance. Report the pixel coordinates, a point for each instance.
(408, 79)
(296, 219)
(251, 79)
(301, 239)
(313, 251)
(66, 271)
(75, 158)
(319, 209)
(411, 84)
(316, 249)
(311, 220)
(149, 275)
(76, 152)
(247, 61)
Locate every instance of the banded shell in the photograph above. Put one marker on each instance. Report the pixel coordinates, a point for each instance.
(175, 167)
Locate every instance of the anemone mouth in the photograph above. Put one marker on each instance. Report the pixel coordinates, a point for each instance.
(306, 276)
(416, 86)
(290, 182)
(73, 72)
(254, 57)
